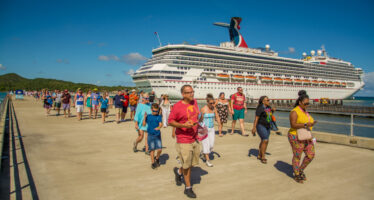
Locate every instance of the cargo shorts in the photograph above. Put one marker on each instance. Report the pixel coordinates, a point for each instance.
(188, 154)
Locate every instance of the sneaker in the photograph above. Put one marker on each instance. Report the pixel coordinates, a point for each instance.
(178, 178)
(154, 165)
(188, 192)
(134, 148)
(208, 164)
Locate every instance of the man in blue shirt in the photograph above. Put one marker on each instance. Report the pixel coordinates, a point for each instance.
(95, 97)
(154, 123)
(118, 104)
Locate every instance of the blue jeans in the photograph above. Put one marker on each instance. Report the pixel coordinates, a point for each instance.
(263, 132)
(154, 142)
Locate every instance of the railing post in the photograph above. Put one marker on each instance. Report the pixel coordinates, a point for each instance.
(351, 125)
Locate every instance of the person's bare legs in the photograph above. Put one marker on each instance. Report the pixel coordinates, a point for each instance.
(103, 116)
(152, 154)
(139, 138)
(69, 112)
(118, 116)
(95, 113)
(79, 114)
(233, 126)
(187, 176)
(241, 121)
(158, 154)
(132, 115)
(220, 129)
(146, 139)
(90, 113)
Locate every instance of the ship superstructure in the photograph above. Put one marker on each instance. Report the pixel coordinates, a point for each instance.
(259, 71)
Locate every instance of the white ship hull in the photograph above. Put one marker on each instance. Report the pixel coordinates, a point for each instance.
(252, 91)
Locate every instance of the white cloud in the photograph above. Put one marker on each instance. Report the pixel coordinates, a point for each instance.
(2, 67)
(368, 89)
(130, 72)
(65, 61)
(133, 59)
(107, 58)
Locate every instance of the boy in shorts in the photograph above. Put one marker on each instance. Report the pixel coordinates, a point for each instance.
(104, 106)
(154, 123)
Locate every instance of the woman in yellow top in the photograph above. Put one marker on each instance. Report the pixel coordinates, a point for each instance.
(300, 118)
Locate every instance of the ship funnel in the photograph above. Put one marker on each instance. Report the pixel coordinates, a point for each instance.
(312, 52)
(234, 28)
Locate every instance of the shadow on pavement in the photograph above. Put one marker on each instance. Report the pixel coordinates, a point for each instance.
(196, 173)
(284, 167)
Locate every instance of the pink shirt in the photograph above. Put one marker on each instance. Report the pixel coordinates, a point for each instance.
(238, 101)
(182, 113)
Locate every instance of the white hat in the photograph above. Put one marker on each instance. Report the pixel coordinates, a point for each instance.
(133, 90)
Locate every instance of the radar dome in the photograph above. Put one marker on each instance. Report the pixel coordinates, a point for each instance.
(267, 46)
(304, 54)
(319, 52)
(312, 52)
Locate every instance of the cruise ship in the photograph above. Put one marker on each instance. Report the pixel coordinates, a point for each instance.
(259, 71)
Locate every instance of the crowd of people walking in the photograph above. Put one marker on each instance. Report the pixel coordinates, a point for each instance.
(192, 127)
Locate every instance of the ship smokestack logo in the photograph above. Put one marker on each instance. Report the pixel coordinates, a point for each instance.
(234, 28)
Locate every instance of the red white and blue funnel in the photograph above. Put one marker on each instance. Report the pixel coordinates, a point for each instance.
(234, 28)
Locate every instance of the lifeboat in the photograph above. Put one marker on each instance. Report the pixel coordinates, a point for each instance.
(306, 81)
(266, 78)
(330, 83)
(223, 76)
(298, 81)
(344, 84)
(238, 77)
(287, 80)
(336, 83)
(250, 78)
(278, 79)
(315, 82)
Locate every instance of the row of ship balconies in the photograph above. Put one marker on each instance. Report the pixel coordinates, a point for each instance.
(277, 80)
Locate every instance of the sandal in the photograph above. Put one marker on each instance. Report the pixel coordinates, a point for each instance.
(302, 175)
(264, 161)
(298, 178)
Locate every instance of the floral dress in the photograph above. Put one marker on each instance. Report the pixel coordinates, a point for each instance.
(223, 111)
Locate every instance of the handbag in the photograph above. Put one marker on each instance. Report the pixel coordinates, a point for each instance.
(303, 133)
(202, 131)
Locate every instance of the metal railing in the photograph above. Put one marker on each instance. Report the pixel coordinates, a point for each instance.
(351, 124)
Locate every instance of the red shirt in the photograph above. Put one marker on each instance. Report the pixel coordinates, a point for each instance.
(126, 102)
(182, 113)
(238, 101)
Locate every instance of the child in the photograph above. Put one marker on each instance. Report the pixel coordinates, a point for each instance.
(104, 106)
(154, 122)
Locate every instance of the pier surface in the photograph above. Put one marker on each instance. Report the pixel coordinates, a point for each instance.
(70, 159)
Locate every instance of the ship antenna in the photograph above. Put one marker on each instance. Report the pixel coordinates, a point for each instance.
(324, 50)
(158, 37)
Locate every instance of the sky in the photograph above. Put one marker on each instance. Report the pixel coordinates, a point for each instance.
(101, 42)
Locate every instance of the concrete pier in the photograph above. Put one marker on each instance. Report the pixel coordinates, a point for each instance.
(70, 159)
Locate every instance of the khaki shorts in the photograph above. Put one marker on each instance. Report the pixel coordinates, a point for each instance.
(188, 154)
(118, 111)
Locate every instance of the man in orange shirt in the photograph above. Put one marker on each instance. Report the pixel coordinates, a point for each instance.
(133, 100)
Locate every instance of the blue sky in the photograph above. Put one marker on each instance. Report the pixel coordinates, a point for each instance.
(101, 41)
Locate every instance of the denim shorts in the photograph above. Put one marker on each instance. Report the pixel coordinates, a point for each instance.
(263, 132)
(133, 108)
(154, 142)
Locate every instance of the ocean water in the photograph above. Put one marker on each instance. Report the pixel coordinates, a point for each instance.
(325, 120)
(2, 96)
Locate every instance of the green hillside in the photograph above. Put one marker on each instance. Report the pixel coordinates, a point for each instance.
(14, 81)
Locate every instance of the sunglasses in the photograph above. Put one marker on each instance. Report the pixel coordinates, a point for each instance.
(154, 110)
(306, 104)
(146, 98)
(211, 103)
(189, 92)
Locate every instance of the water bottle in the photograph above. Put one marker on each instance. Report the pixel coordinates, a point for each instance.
(314, 140)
